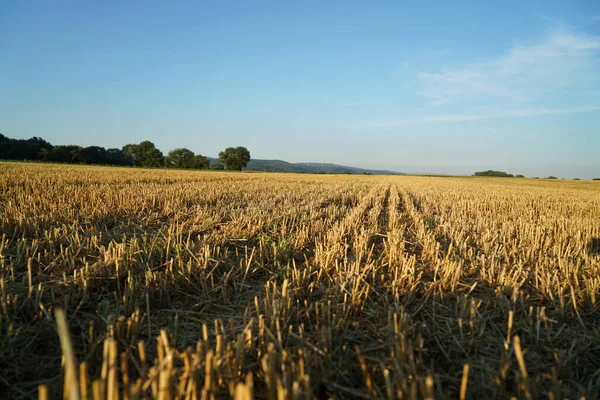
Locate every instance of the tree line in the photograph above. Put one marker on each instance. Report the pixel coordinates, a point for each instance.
(500, 174)
(143, 154)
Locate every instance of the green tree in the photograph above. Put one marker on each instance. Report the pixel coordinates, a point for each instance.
(35, 148)
(184, 158)
(65, 154)
(235, 158)
(180, 158)
(200, 162)
(144, 154)
(92, 155)
(117, 157)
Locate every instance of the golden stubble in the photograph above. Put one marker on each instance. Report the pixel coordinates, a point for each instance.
(133, 283)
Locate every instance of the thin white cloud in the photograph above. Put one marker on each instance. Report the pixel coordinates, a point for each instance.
(474, 117)
(564, 60)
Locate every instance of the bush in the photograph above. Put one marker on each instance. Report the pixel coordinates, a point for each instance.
(490, 172)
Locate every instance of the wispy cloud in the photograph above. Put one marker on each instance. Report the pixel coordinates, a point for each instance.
(563, 60)
(473, 117)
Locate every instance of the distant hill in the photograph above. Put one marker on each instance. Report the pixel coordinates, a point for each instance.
(307, 168)
(342, 169)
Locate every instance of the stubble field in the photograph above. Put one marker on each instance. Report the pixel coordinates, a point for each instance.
(131, 283)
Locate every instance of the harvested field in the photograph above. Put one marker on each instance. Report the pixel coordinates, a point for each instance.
(178, 284)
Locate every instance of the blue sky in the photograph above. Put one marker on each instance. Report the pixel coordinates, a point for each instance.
(415, 86)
